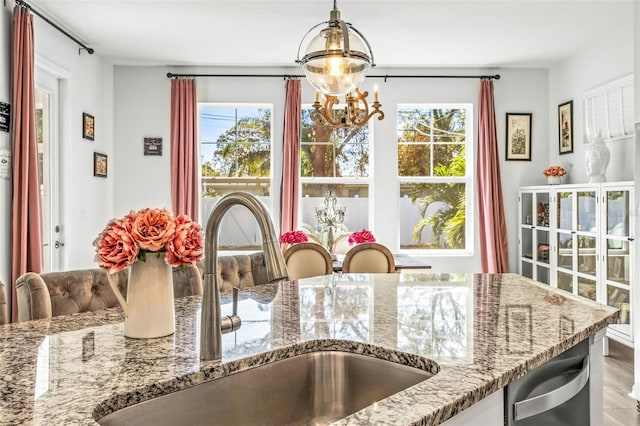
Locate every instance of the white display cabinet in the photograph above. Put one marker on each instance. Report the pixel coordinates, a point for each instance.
(579, 238)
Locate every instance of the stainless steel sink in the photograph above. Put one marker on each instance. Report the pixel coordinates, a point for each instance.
(310, 389)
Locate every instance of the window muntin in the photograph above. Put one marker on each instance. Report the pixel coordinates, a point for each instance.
(335, 153)
(338, 160)
(434, 177)
(235, 155)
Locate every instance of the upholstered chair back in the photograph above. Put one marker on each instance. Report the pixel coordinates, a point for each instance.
(341, 244)
(369, 258)
(241, 271)
(4, 309)
(63, 293)
(307, 260)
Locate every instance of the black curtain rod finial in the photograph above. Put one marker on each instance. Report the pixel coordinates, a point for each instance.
(48, 21)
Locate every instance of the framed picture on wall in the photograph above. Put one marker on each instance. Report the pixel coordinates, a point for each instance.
(152, 146)
(518, 137)
(565, 127)
(99, 164)
(88, 126)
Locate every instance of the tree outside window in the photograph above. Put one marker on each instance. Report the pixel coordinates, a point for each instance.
(334, 159)
(235, 155)
(434, 176)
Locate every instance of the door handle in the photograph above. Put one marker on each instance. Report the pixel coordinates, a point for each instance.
(59, 244)
(545, 402)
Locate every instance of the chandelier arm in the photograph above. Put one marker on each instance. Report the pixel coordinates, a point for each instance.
(305, 36)
(363, 97)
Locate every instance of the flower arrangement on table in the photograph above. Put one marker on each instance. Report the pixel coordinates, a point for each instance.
(554, 171)
(359, 237)
(293, 237)
(126, 240)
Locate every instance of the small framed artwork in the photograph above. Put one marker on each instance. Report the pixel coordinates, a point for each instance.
(5, 117)
(99, 164)
(565, 127)
(519, 328)
(152, 146)
(518, 136)
(88, 126)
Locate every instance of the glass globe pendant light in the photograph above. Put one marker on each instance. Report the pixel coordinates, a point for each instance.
(336, 60)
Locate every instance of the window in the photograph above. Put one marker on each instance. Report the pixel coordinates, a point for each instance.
(608, 110)
(235, 155)
(434, 174)
(338, 160)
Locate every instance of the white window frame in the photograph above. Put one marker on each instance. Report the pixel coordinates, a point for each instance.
(468, 179)
(272, 184)
(343, 180)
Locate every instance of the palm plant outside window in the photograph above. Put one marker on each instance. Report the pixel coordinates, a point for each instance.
(434, 174)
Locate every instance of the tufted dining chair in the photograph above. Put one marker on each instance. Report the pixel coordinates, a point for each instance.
(307, 260)
(4, 311)
(368, 258)
(51, 294)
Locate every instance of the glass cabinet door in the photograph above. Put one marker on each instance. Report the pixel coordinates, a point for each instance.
(618, 255)
(534, 234)
(576, 239)
(564, 205)
(587, 211)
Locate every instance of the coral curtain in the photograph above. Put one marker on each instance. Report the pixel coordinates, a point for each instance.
(26, 241)
(184, 147)
(493, 228)
(289, 190)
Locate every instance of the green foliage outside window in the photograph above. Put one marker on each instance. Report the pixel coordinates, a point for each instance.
(432, 148)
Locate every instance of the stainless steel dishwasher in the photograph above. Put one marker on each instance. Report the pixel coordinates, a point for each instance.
(554, 394)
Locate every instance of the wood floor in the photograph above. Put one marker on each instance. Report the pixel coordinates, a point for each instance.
(619, 407)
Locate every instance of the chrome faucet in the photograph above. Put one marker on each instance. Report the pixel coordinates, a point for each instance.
(210, 322)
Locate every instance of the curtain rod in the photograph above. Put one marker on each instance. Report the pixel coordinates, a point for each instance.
(386, 76)
(48, 21)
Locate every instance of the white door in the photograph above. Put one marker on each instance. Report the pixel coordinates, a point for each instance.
(46, 104)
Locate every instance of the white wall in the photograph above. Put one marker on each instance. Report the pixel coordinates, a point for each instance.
(86, 85)
(142, 97)
(609, 59)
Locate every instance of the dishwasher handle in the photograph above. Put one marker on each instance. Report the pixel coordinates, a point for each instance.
(547, 401)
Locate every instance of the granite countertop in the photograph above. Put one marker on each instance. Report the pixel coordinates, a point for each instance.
(478, 332)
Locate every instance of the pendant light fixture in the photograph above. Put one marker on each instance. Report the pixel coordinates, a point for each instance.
(335, 62)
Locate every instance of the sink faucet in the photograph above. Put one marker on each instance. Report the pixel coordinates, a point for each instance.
(210, 321)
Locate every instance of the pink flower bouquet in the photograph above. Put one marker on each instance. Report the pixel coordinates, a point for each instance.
(129, 239)
(554, 171)
(293, 237)
(364, 236)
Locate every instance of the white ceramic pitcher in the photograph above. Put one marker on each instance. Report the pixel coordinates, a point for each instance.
(149, 308)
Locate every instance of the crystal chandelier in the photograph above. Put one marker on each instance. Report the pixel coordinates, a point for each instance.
(330, 216)
(335, 62)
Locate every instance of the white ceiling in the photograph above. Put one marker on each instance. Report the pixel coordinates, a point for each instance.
(430, 33)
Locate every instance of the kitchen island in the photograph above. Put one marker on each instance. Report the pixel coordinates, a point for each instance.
(477, 332)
